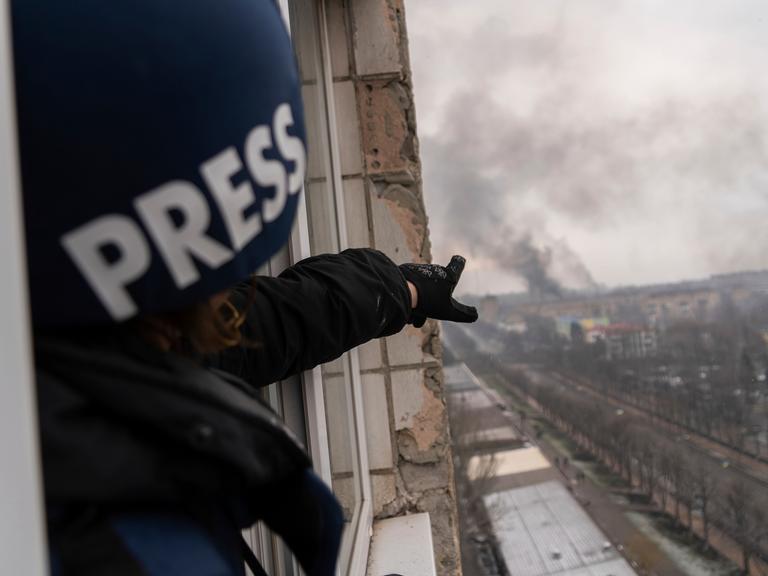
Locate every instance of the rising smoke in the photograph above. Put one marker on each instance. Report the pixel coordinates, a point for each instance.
(476, 187)
(500, 175)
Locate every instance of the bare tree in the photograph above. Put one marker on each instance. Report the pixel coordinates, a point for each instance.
(650, 461)
(676, 471)
(745, 518)
(686, 486)
(666, 465)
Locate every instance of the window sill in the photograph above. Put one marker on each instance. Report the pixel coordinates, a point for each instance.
(402, 545)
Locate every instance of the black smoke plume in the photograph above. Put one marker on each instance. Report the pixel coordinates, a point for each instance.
(505, 173)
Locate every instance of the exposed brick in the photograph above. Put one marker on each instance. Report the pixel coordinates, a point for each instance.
(399, 223)
(410, 450)
(400, 243)
(433, 346)
(388, 140)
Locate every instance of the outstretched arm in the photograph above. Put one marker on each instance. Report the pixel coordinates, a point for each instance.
(325, 305)
(315, 311)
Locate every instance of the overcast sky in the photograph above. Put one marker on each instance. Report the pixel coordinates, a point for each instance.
(614, 141)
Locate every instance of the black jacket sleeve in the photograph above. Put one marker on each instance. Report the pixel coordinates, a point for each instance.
(314, 312)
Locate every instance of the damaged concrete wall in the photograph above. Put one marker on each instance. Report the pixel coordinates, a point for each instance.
(408, 444)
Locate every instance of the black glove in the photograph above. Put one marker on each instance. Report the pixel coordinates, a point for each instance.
(435, 286)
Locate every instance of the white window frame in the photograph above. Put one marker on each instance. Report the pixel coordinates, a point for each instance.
(364, 526)
(312, 380)
(22, 533)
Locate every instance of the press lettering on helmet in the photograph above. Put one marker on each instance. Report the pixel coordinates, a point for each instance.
(233, 201)
(291, 147)
(178, 243)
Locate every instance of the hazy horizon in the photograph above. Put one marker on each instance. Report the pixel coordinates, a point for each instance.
(604, 288)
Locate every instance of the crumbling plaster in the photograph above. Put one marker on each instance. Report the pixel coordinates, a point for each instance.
(421, 476)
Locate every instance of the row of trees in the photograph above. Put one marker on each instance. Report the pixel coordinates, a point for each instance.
(689, 485)
(708, 372)
(706, 376)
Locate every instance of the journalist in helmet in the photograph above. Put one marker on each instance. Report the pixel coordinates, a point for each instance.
(163, 155)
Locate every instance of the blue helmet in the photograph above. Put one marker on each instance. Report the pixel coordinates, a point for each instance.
(162, 150)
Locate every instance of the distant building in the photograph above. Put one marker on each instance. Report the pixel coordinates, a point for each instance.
(665, 307)
(625, 341)
(564, 324)
(754, 280)
(653, 306)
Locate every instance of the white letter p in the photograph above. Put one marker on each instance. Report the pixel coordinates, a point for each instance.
(109, 279)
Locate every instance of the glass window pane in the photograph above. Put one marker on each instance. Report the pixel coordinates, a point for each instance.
(324, 238)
